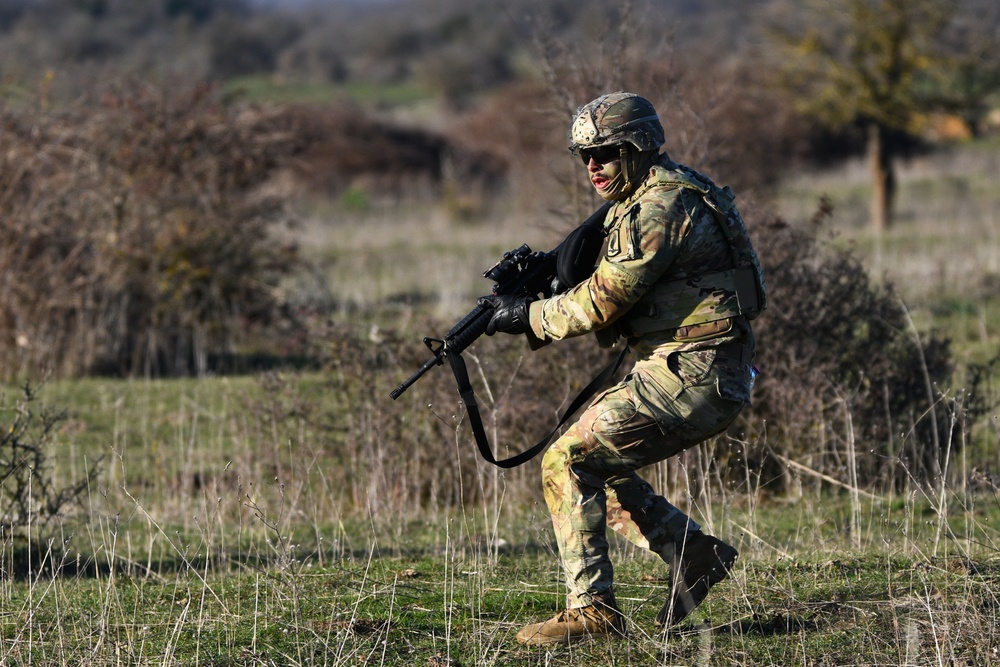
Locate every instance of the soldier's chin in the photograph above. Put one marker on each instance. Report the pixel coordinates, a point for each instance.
(605, 193)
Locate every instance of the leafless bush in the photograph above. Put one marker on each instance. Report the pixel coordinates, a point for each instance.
(140, 238)
(346, 148)
(29, 496)
(133, 242)
(848, 386)
(243, 45)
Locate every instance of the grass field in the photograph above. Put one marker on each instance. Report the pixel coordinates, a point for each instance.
(913, 582)
(271, 519)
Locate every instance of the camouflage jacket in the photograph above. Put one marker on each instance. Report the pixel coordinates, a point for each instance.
(667, 280)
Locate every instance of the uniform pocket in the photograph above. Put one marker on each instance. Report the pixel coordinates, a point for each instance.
(692, 366)
(619, 413)
(659, 384)
(684, 394)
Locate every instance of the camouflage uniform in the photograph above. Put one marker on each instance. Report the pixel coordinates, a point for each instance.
(678, 281)
(668, 286)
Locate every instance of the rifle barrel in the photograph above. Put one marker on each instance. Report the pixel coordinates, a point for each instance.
(429, 364)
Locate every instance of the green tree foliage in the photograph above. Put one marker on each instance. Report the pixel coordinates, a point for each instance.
(884, 65)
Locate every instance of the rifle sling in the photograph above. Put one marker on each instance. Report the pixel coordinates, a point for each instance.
(469, 398)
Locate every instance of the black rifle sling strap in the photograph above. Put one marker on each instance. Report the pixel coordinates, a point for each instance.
(469, 398)
(577, 256)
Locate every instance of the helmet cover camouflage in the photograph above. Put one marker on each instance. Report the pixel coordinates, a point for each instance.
(617, 118)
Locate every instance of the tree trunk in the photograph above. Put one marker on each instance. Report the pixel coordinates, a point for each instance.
(883, 178)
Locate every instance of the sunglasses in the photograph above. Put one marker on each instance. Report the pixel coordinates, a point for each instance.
(600, 154)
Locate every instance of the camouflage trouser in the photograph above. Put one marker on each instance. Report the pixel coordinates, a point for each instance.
(588, 474)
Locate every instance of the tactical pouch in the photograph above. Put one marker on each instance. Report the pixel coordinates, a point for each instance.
(691, 302)
(698, 332)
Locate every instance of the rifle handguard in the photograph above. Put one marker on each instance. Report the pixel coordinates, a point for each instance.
(520, 274)
(472, 326)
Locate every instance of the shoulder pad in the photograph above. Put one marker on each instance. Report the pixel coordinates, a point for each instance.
(679, 177)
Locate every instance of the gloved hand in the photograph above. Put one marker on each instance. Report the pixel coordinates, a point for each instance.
(510, 313)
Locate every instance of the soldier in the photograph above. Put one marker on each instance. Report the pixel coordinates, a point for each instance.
(679, 282)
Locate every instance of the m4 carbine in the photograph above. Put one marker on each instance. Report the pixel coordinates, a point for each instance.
(521, 272)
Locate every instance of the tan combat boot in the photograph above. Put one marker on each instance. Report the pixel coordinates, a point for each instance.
(700, 563)
(572, 625)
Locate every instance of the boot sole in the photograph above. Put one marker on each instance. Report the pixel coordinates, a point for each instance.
(549, 640)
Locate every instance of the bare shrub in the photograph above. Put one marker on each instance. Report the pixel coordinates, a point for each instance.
(141, 238)
(345, 148)
(846, 380)
(241, 45)
(29, 496)
(133, 242)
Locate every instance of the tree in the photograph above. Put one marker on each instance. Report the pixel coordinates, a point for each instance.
(969, 89)
(884, 65)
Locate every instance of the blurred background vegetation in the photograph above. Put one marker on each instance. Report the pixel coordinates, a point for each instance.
(226, 226)
(203, 187)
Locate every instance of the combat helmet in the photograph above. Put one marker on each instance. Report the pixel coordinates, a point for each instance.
(617, 118)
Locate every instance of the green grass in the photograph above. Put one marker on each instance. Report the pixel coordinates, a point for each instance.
(799, 596)
(214, 538)
(266, 88)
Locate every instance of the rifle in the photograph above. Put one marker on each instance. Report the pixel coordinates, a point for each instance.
(520, 272)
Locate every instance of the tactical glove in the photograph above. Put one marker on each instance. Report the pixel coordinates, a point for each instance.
(510, 313)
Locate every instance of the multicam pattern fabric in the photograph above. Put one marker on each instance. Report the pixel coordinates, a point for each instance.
(589, 474)
(645, 276)
(614, 118)
(682, 389)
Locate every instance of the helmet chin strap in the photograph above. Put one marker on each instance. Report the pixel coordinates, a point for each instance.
(634, 163)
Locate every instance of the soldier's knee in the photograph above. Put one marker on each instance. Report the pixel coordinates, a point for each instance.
(556, 457)
(565, 454)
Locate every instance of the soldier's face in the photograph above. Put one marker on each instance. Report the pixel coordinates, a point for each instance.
(601, 174)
